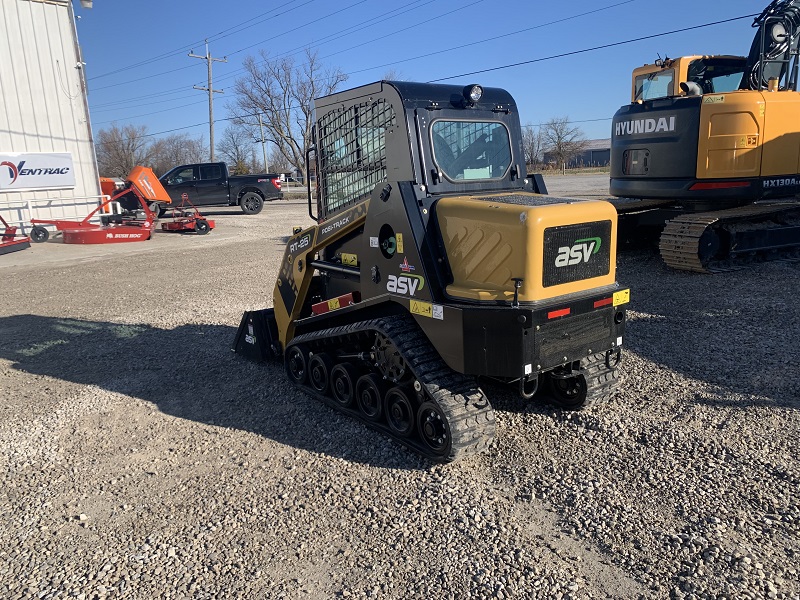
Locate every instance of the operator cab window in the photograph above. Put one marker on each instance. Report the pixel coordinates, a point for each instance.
(655, 85)
(471, 150)
(715, 76)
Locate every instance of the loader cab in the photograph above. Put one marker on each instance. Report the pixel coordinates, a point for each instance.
(444, 139)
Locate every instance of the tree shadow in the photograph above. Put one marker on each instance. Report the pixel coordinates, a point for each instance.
(190, 372)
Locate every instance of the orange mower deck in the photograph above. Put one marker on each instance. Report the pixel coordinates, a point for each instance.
(135, 226)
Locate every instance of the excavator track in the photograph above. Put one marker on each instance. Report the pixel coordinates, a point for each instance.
(386, 373)
(725, 240)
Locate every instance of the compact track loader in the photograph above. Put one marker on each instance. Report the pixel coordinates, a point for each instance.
(434, 260)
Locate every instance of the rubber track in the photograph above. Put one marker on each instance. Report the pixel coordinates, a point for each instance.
(469, 414)
(680, 240)
(601, 382)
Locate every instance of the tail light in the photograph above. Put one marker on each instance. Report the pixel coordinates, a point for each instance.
(718, 185)
(277, 183)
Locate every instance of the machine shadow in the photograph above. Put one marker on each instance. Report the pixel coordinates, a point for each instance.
(190, 372)
(677, 317)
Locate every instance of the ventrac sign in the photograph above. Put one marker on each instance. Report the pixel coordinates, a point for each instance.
(36, 171)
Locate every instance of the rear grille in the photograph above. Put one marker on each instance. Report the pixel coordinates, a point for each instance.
(575, 252)
(573, 337)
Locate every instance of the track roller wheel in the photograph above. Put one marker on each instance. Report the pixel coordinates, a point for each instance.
(368, 396)
(343, 384)
(568, 393)
(399, 411)
(319, 372)
(296, 365)
(594, 382)
(434, 430)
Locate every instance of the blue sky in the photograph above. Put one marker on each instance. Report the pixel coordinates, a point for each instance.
(139, 72)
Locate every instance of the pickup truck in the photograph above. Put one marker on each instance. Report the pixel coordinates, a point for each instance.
(209, 183)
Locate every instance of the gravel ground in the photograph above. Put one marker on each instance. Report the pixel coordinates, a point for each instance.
(142, 459)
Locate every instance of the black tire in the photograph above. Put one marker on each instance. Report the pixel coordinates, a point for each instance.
(399, 411)
(202, 227)
(343, 384)
(319, 372)
(596, 382)
(434, 429)
(251, 203)
(39, 234)
(296, 365)
(370, 397)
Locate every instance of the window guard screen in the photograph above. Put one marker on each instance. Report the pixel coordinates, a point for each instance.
(351, 143)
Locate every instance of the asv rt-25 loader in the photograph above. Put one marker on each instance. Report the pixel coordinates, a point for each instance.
(434, 261)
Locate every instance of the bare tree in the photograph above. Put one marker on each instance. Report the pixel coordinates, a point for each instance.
(176, 149)
(119, 149)
(562, 140)
(392, 74)
(283, 92)
(236, 147)
(278, 163)
(532, 144)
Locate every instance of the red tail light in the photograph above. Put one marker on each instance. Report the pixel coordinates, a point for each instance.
(603, 302)
(277, 183)
(553, 314)
(719, 185)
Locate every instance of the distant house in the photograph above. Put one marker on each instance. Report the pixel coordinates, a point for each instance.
(596, 153)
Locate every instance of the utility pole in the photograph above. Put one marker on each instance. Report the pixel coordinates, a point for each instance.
(263, 143)
(211, 91)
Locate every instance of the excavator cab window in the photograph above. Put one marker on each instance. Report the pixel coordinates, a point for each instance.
(717, 76)
(471, 150)
(660, 84)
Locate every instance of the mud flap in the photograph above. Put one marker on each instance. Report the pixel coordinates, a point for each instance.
(257, 337)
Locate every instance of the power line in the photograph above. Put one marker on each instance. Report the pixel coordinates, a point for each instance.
(592, 49)
(522, 63)
(249, 23)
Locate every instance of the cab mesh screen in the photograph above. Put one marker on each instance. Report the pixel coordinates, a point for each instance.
(351, 142)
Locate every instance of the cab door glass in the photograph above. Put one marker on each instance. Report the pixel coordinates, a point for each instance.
(182, 176)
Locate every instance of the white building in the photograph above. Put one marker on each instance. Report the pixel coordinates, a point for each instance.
(48, 167)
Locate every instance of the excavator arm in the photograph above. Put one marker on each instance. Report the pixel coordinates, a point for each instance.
(773, 53)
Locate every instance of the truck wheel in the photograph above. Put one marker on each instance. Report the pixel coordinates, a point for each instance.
(39, 234)
(251, 203)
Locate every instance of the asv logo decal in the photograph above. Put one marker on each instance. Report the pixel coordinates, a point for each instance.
(580, 252)
(405, 284)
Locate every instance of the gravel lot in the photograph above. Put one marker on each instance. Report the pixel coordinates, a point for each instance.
(142, 459)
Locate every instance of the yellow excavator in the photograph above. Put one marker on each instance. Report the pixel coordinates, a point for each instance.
(709, 149)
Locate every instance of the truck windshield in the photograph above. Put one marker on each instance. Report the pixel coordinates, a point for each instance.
(471, 150)
(655, 85)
